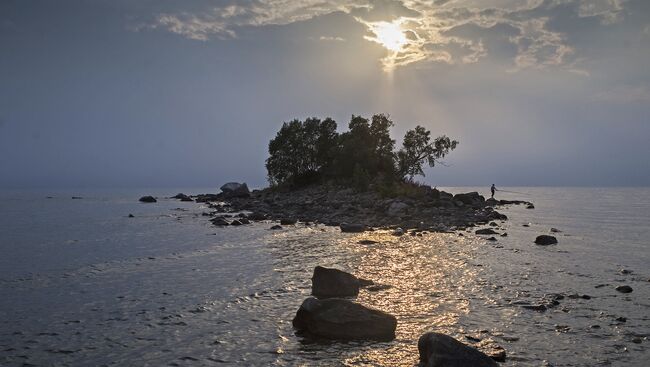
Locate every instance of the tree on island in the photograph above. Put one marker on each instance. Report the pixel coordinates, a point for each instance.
(311, 151)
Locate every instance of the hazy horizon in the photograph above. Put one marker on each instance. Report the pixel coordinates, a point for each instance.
(188, 94)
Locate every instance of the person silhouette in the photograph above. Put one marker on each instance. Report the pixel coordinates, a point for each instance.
(493, 189)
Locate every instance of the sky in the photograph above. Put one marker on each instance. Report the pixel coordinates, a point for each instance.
(120, 93)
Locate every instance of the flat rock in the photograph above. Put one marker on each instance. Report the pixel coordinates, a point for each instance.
(440, 350)
(341, 319)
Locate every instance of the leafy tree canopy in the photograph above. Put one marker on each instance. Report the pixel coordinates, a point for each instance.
(307, 151)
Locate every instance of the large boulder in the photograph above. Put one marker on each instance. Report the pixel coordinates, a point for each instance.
(327, 282)
(336, 318)
(235, 190)
(352, 228)
(545, 240)
(440, 350)
(148, 199)
(470, 198)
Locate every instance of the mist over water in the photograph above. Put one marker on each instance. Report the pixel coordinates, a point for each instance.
(83, 284)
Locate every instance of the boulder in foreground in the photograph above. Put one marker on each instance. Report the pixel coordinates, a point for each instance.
(341, 319)
(148, 199)
(440, 350)
(545, 240)
(327, 282)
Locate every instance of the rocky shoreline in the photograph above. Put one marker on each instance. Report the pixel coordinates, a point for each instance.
(428, 209)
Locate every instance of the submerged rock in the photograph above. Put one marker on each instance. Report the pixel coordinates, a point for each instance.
(148, 199)
(328, 282)
(545, 240)
(276, 227)
(288, 221)
(341, 319)
(440, 350)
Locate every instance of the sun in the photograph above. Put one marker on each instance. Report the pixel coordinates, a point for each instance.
(390, 35)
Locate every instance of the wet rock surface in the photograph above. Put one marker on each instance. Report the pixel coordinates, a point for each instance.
(342, 319)
(329, 282)
(440, 350)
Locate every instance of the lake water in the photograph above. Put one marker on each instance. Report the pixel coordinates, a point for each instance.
(81, 284)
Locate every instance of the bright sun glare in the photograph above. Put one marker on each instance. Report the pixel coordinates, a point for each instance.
(390, 35)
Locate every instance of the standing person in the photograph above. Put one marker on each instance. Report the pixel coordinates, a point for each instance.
(493, 189)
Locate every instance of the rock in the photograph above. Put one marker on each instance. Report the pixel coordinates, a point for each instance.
(352, 228)
(470, 198)
(555, 230)
(257, 216)
(545, 240)
(486, 231)
(148, 199)
(244, 221)
(396, 208)
(328, 282)
(131, 216)
(624, 289)
(276, 227)
(219, 222)
(440, 350)
(530, 206)
(504, 234)
(182, 197)
(492, 239)
(236, 222)
(492, 202)
(288, 221)
(341, 319)
(235, 190)
(398, 232)
(493, 224)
